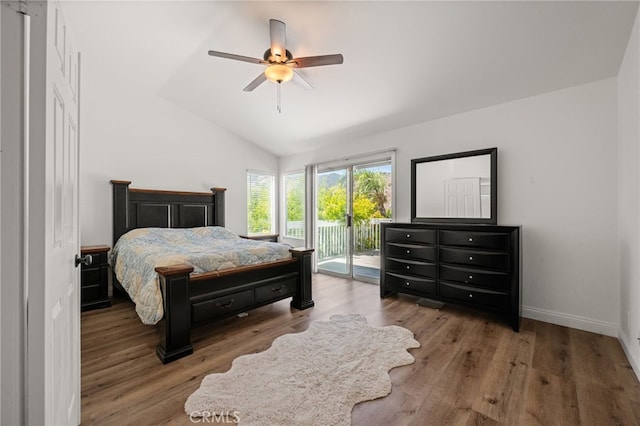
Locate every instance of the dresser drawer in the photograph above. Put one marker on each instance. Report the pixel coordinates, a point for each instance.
(426, 236)
(479, 277)
(474, 239)
(275, 291)
(468, 294)
(411, 251)
(403, 283)
(483, 259)
(91, 293)
(221, 306)
(98, 259)
(411, 267)
(91, 276)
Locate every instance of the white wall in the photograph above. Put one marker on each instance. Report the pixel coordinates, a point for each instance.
(129, 134)
(557, 178)
(629, 197)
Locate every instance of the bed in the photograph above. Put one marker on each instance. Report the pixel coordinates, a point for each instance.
(190, 297)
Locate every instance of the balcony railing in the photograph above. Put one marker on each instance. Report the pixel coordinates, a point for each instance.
(332, 237)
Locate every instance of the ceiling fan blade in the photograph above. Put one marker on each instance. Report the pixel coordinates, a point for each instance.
(277, 32)
(236, 57)
(255, 83)
(316, 61)
(300, 80)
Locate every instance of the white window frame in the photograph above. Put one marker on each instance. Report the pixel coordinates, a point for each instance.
(272, 201)
(285, 210)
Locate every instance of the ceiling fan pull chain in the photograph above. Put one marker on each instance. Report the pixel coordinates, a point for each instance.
(279, 105)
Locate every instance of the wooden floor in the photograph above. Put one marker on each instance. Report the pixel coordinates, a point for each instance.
(471, 369)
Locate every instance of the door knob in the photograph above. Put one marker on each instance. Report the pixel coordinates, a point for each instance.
(85, 260)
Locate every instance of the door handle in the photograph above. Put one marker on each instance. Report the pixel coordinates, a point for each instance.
(85, 260)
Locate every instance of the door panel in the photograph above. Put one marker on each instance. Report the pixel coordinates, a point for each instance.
(332, 227)
(372, 189)
(62, 278)
(462, 197)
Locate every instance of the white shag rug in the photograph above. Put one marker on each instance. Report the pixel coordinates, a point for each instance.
(309, 378)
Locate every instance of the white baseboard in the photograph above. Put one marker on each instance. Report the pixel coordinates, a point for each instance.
(573, 321)
(624, 340)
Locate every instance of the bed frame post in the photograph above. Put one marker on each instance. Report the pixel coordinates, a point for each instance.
(120, 208)
(218, 206)
(303, 298)
(175, 341)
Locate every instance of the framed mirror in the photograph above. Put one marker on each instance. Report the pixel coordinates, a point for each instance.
(456, 188)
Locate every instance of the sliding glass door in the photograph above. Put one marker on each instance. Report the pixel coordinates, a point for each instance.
(333, 224)
(372, 189)
(352, 201)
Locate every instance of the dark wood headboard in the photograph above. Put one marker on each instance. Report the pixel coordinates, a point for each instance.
(146, 208)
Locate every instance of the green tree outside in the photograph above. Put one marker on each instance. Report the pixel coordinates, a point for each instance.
(372, 185)
(368, 202)
(295, 199)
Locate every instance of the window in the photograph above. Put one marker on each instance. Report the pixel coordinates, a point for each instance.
(294, 203)
(260, 203)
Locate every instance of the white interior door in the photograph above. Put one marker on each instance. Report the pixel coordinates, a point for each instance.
(62, 243)
(462, 197)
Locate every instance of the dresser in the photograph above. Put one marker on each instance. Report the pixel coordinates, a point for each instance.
(473, 265)
(94, 278)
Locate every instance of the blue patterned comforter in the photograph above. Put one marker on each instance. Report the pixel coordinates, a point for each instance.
(138, 252)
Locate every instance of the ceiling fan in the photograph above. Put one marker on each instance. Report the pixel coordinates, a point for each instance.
(280, 63)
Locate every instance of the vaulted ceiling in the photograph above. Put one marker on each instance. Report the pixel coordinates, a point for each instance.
(404, 62)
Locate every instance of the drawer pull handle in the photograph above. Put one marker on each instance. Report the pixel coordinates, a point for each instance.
(226, 305)
(408, 235)
(470, 239)
(470, 257)
(408, 283)
(277, 290)
(470, 277)
(408, 251)
(470, 295)
(408, 267)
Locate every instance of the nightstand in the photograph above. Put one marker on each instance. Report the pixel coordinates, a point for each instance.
(262, 237)
(95, 278)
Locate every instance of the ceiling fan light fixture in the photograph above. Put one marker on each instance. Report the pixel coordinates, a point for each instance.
(278, 73)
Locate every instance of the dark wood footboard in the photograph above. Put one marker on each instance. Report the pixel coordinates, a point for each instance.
(303, 299)
(190, 300)
(175, 341)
